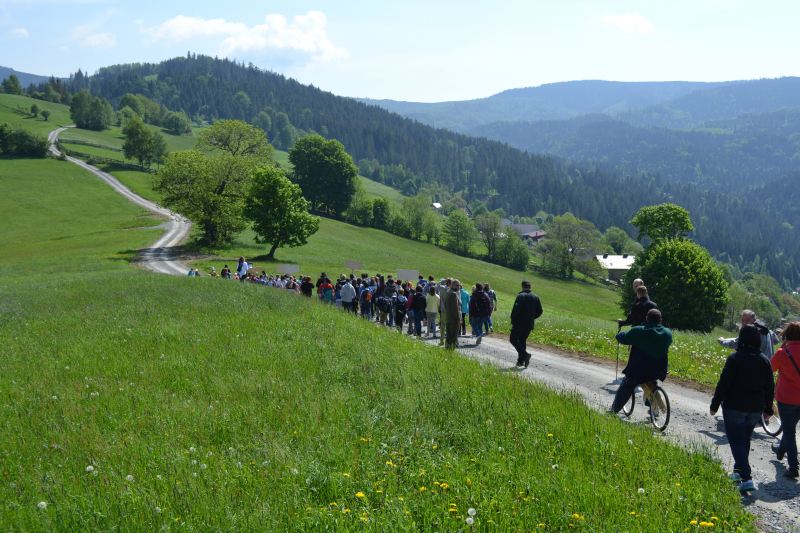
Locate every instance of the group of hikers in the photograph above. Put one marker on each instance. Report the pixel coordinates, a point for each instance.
(746, 389)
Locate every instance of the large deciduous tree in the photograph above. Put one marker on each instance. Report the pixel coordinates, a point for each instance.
(569, 240)
(663, 221)
(325, 172)
(210, 186)
(490, 228)
(141, 143)
(278, 210)
(458, 232)
(91, 112)
(681, 277)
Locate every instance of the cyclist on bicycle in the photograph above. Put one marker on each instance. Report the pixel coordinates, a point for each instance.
(648, 360)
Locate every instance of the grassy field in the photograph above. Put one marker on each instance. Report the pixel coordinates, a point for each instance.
(140, 402)
(15, 110)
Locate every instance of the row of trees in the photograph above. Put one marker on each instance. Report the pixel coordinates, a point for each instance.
(21, 143)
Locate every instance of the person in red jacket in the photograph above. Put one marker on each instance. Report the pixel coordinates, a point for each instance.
(786, 362)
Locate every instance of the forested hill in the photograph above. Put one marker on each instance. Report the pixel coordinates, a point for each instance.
(506, 177)
(24, 78)
(735, 153)
(553, 101)
(480, 169)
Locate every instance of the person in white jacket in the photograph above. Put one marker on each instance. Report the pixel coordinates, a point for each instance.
(348, 294)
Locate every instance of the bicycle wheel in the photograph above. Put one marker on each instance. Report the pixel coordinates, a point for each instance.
(627, 409)
(659, 409)
(772, 425)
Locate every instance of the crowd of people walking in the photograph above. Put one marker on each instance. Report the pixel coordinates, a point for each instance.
(443, 309)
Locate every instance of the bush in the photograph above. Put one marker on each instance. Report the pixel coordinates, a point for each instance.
(685, 282)
(21, 143)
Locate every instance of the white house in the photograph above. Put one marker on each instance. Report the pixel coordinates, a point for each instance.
(616, 265)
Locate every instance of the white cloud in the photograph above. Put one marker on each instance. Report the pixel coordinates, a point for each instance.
(305, 33)
(629, 23)
(20, 33)
(100, 40)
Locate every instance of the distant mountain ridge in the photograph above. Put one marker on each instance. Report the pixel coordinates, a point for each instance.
(25, 78)
(553, 101)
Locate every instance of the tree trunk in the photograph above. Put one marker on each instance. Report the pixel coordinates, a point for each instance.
(271, 254)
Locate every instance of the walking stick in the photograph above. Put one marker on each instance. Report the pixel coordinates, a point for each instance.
(616, 370)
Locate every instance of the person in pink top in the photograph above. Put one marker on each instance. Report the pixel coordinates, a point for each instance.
(786, 362)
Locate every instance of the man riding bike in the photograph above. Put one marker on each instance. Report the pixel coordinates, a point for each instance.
(648, 360)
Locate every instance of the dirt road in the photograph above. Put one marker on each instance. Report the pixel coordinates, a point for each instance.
(162, 256)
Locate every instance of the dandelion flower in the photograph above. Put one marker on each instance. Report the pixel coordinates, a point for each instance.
(194, 461)
(471, 511)
(158, 510)
(345, 474)
(203, 466)
(444, 486)
(577, 516)
(693, 522)
(423, 488)
(706, 524)
(469, 520)
(89, 469)
(715, 519)
(360, 495)
(158, 477)
(632, 513)
(555, 467)
(238, 464)
(641, 490)
(129, 477)
(192, 449)
(55, 397)
(210, 453)
(42, 505)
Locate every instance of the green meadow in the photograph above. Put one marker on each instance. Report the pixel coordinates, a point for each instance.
(139, 402)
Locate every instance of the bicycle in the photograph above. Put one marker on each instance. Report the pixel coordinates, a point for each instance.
(772, 425)
(659, 406)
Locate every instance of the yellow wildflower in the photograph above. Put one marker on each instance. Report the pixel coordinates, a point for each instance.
(444, 486)
(632, 513)
(693, 522)
(540, 525)
(345, 510)
(715, 519)
(389, 463)
(423, 488)
(345, 474)
(364, 517)
(360, 495)
(550, 435)
(469, 482)
(706, 524)
(577, 516)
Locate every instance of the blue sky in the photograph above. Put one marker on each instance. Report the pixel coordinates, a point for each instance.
(417, 50)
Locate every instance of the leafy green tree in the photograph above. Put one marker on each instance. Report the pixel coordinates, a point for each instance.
(512, 251)
(34, 110)
(360, 210)
(616, 238)
(45, 115)
(263, 120)
(236, 138)
(325, 172)
(688, 285)
(91, 112)
(414, 209)
(278, 211)
(177, 123)
(663, 221)
(575, 238)
(11, 85)
(208, 190)
(490, 228)
(431, 226)
(381, 213)
(21, 143)
(458, 232)
(143, 144)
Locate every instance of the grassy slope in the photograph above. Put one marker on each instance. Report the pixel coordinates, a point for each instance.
(238, 407)
(15, 110)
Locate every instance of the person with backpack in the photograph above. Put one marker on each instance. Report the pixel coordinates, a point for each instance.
(479, 311)
(492, 298)
(746, 391)
(365, 299)
(399, 301)
(306, 287)
(326, 291)
(786, 362)
(418, 305)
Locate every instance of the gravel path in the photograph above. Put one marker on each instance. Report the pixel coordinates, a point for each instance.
(776, 502)
(162, 256)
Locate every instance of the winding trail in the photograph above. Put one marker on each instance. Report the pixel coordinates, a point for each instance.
(162, 257)
(776, 502)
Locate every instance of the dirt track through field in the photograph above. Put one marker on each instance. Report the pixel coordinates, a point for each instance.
(162, 256)
(777, 500)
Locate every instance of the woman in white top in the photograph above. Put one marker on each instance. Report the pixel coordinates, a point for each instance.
(431, 310)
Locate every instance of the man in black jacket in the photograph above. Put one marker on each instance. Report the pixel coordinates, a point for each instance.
(527, 308)
(641, 306)
(745, 390)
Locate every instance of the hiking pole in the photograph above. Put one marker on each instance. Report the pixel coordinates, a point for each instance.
(616, 370)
